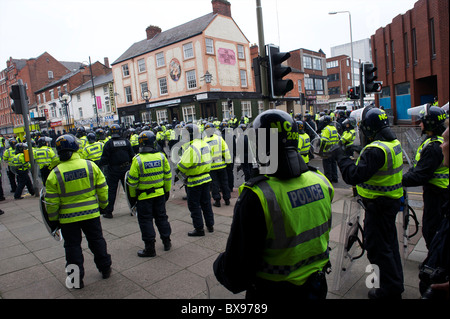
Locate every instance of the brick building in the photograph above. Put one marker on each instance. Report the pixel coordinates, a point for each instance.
(35, 74)
(339, 74)
(189, 72)
(412, 57)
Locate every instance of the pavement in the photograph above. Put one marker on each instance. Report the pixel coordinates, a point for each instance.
(32, 262)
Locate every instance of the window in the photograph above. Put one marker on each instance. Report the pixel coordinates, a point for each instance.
(309, 84)
(141, 65)
(52, 95)
(260, 107)
(414, 46)
(188, 50)
(402, 89)
(189, 113)
(160, 61)
(300, 89)
(307, 62)
(144, 87)
(241, 53)
(161, 116)
(146, 117)
(319, 85)
(53, 110)
(386, 50)
(317, 64)
(333, 77)
(246, 108)
(78, 97)
(405, 41)
(80, 112)
(191, 79)
(209, 46)
(50, 74)
(105, 90)
(125, 70)
(243, 78)
(227, 112)
(162, 86)
(127, 120)
(128, 95)
(332, 64)
(432, 38)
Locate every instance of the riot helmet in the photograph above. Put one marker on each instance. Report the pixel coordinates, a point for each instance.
(287, 162)
(65, 145)
(20, 147)
(375, 121)
(91, 138)
(147, 142)
(42, 142)
(81, 131)
(301, 126)
(115, 130)
(433, 119)
(349, 123)
(193, 130)
(100, 134)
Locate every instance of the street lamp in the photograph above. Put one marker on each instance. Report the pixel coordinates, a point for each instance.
(351, 40)
(207, 77)
(65, 99)
(147, 95)
(93, 89)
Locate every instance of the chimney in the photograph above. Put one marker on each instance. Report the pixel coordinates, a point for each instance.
(222, 7)
(152, 31)
(106, 63)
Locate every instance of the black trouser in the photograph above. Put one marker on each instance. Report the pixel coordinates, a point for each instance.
(381, 244)
(220, 183)
(315, 288)
(230, 176)
(433, 200)
(23, 179)
(44, 174)
(199, 201)
(149, 210)
(330, 169)
(115, 174)
(92, 229)
(12, 179)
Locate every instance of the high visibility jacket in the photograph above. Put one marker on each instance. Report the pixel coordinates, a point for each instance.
(298, 219)
(329, 137)
(19, 162)
(388, 180)
(170, 135)
(304, 145)
(74, 191)
(160, 136)
(104, 141)
(134, 140)
(44, 156)
(8, 155)
(93, 151)
(195, 163)
(440, 176)
(219, 151)
(83, 142)
(150, 175)
(348, 137)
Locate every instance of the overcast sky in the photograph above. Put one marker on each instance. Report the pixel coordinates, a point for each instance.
(73, 30)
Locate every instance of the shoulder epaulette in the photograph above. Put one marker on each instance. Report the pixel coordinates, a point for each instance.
(255, 180)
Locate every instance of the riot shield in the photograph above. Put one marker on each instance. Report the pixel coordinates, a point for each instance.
(350, 246)
(131, 201)
(51, 226)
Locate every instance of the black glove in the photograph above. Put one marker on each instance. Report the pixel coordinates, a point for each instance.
(167, 196)
(338, 151)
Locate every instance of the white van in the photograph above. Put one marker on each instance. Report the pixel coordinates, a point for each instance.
(346, 106)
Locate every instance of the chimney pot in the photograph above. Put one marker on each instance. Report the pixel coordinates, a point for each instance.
(222, 7)
(152, 31)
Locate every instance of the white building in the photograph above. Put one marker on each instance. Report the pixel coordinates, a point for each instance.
(82, 104)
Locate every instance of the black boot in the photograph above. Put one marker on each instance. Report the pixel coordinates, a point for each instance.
(217, 203)
(197, 232)
(167, 244)
(149, 250)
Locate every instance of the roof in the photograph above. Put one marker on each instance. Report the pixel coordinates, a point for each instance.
(58, 81)
(98, 81)
(171, 36)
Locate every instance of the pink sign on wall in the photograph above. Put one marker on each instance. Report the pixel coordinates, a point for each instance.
(227, 56)
(99, 102)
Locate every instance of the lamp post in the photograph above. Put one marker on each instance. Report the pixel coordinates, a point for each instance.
(65, 99)
(147, 95)
(351, 40)
(93, 90)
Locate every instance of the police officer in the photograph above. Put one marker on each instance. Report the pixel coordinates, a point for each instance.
(195, 164)
(134, 140)
(8, 157)
(271, 252)
(429, 170)
(150, 181)
(22, 166)
(220, 157)
(81, 135)
(44, 156)
(348, 135)
(304, 143)
(75, 190)
(377, 175)
(93, 149)
(117, 155)
(329, 137)
(244, 151)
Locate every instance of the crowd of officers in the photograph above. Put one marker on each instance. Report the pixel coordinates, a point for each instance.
(278, 243)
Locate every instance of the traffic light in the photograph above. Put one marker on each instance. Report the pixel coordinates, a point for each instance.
(229, 103)
(16, 103)
(370, 85)
(353, 93)
(276, 71)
